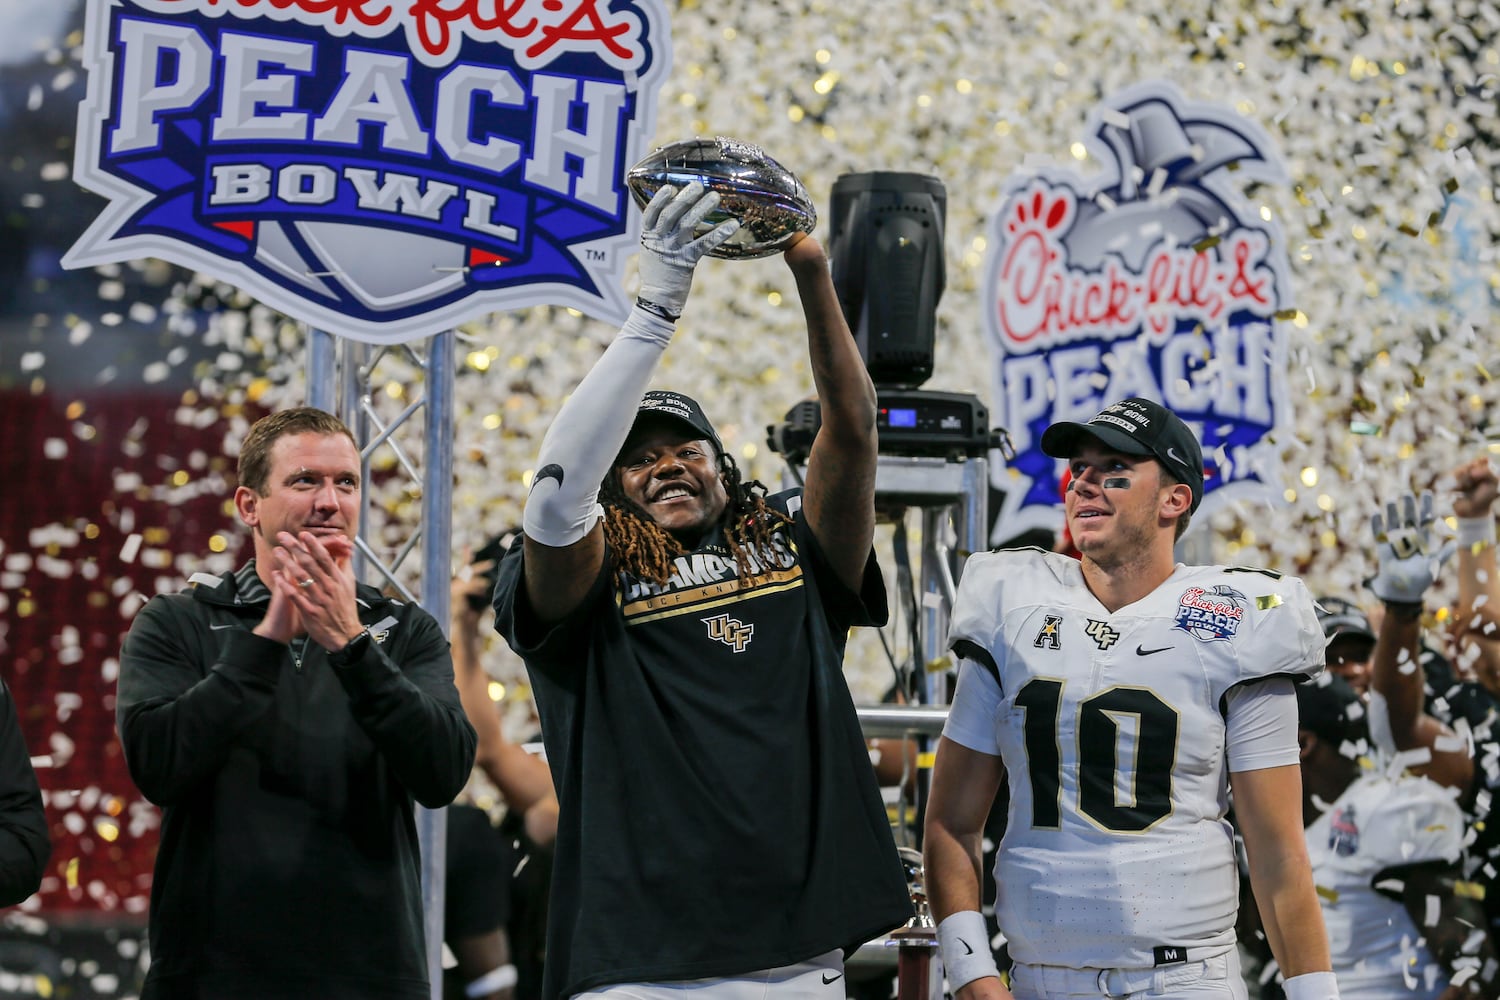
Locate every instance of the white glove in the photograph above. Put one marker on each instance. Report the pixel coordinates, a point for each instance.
(1407, 553)
(669, 251)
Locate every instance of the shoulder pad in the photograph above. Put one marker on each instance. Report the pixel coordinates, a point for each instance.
(1022, 548)
(1253, 569)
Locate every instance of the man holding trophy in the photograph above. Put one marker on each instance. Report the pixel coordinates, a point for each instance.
(720, 825)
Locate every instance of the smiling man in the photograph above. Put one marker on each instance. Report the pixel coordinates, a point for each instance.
(1123, 694)
(286, 719)
(720, 830)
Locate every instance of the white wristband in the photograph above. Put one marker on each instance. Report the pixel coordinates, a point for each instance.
(1476, 532)
(1312, 986)
(965, 944)
(496, 979)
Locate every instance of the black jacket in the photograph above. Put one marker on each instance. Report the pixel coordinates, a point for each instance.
(24, 844)
(289, 863)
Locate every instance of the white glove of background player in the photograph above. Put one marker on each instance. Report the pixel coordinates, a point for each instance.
(669, 249)
(1407, 553)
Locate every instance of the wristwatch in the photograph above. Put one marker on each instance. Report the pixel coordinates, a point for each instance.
(353, 650)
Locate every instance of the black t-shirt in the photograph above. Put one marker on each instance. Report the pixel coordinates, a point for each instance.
(1467, 704)
(719, 814)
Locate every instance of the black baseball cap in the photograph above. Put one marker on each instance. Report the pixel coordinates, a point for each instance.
(670, 407)
(1135, 426)
(1341, 618)
(1328, 708)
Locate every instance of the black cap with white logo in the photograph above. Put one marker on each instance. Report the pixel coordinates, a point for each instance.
(1135, 426)
(1340, 617)
(675, 408)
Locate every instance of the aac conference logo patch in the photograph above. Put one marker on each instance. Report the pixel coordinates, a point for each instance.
(382, 169)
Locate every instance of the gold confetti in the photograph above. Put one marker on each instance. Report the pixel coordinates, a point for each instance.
(1267, 601)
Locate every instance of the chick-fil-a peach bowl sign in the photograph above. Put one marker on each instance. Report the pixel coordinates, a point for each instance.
(1156, 279)
(382, 169)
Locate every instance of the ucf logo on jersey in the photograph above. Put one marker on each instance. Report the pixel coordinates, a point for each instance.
(1103, 636)
(730, 631)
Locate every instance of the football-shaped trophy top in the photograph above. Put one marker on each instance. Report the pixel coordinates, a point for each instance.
(767, 198)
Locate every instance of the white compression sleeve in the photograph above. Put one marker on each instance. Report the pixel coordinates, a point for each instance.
(589, 431)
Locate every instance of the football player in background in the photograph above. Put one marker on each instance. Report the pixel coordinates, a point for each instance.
(493, 899)
(1448, 738)
(1385, 847)
(1122, 694)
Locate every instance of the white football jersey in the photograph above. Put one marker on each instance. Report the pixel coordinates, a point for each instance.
(1117, 853)
(1378, 823)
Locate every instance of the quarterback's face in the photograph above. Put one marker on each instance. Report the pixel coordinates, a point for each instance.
(675, 480)
(1113, 504)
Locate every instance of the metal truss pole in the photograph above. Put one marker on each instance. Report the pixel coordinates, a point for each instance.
(437, 570)
(953, 500)
(952, 497)
(338, 380)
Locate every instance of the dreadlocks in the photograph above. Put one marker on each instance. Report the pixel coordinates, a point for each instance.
(641, 547)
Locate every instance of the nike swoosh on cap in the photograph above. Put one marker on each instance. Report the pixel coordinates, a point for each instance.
(1172, 454)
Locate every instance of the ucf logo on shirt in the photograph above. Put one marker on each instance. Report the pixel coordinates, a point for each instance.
(730, 631)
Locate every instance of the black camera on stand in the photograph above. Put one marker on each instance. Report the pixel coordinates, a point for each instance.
(886, 248)
(910, 422)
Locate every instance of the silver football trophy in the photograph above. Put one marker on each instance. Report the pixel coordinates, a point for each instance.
(767, 198)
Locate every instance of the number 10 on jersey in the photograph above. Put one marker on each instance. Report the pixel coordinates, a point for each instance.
(1149, 798)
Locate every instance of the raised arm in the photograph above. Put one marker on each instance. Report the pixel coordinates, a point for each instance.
(1408, 556)
(1477, 622)
(564, 537)
(839, 490)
